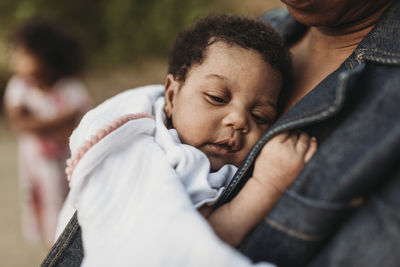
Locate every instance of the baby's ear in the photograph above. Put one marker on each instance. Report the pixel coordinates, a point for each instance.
(171, 90)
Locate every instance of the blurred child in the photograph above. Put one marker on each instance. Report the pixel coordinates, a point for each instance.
(44, 100)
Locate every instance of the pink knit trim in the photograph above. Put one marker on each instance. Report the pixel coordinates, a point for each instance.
(100, 134)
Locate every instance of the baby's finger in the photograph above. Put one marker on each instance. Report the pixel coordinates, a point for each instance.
(312, 148)
(281, 137)
(303, 142)
(292, 138)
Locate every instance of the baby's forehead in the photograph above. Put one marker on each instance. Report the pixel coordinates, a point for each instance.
(232, 64)
(220, 50)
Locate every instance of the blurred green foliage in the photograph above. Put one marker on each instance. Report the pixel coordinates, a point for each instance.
(112, 30)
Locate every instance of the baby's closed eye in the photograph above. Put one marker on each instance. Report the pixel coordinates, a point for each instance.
(215, 99)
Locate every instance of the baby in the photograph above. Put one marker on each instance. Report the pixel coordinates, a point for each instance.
(220, 96)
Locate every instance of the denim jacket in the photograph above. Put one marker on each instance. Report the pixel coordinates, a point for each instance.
(344, 207)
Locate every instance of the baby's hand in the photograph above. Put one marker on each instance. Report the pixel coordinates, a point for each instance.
(282, 158)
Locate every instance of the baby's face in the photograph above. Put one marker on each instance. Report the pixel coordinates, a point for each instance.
(225, 104)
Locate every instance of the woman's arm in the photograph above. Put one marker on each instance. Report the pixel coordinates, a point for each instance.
(277, 166)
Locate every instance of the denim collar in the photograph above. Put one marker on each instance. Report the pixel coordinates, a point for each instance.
(382, 44)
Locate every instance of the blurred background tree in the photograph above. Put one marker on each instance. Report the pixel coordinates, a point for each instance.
(116, 32)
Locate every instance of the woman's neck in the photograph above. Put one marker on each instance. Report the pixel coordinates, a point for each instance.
(325, 43)
(344, 37)
(321, 51)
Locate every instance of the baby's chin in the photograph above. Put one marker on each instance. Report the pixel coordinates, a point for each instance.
(215, 165)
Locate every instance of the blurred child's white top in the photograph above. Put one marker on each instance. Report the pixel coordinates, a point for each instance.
(66, 95)
(41, 158)
(134, 189)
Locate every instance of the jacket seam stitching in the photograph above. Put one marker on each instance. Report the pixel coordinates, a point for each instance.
(364, 54)
(379, 51)
(291, 232)
(300, 116)
(64, 244)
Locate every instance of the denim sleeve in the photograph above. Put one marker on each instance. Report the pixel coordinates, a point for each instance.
(366, 236)
(380, 218)
(68, 249)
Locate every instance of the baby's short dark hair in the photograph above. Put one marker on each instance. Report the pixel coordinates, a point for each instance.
(59, 51)
(191, 44)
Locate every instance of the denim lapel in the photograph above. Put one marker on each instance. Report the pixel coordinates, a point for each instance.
(381, 45)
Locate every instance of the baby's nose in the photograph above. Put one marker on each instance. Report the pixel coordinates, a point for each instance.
(237, 119)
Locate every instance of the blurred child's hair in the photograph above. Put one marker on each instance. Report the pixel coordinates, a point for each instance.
(60, 54)
(191, 44)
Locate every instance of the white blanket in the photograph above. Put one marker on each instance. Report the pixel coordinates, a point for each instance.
(137, 188)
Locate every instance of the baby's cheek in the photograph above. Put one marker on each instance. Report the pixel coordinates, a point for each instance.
(252, 140)
(191, 134)
(241, 155)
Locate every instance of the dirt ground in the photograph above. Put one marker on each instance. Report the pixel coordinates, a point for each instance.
(13, 249)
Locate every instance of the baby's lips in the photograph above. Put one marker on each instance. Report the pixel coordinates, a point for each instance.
(233, 144)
